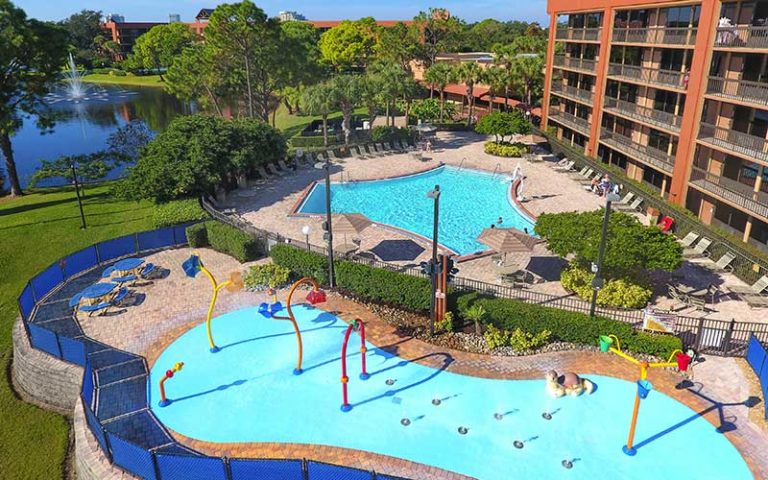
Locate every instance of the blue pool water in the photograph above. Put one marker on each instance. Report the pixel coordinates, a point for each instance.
(470, 201)
(248, 393)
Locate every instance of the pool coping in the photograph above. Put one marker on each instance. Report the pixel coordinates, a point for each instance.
(511, 197)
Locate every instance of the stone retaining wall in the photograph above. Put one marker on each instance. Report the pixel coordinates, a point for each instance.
(90, 461)
(42, 379)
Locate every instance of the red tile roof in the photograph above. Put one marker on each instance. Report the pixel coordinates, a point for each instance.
(334, 23)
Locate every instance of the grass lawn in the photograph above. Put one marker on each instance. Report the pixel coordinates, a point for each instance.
(36, 230)
(139, 81)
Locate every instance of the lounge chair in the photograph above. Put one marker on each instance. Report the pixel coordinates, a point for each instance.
(586, 175)
(688, 240)
(635, 205)
(581, 172)
(148, 270)
(566, 167)
(627, 198)
(407, 146)
(700, 249)
(362, 154)
(108, 272)
(756, 288)
(333, 157)
(380, 148)
(285, 167)
(678, 297)
(225, 209)
(264, 174)
(99, 307)
(119, 297)
(320, 157)
(273, 170)
(587, 182)
(722, 265)
(374, 151)
(755, 301)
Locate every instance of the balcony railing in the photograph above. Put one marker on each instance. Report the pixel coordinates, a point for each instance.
(741, 36)
(573, 63)
(745, 144)
(573, 93)
(578, 34)
(655, 35)
(732, 191)
(643, 153)
(654, 76)
(740, 90)
(569, 120)
(642, 114)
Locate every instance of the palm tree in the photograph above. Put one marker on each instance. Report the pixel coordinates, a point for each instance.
(348, 93)
(469, 74)
(411, 91)
(392, 81)
(439, 75)
(496, 79)
(505, 57)
(320, 100)
(527, 71)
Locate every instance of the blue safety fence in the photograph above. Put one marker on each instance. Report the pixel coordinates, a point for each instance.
(757, 357)
(114, 386)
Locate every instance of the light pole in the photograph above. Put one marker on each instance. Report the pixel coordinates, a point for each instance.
(598, 282)
(305, 230)
(328, 227)
(435, 195)
(77, 193)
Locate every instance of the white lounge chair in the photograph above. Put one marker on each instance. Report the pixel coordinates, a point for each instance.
(700, 249)
(688, 240)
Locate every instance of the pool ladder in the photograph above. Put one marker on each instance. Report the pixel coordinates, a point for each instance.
(348, 178)
(461, 164)
(496, 170)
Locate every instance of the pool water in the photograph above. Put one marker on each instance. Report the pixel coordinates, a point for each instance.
(470, 201)
(247, 393)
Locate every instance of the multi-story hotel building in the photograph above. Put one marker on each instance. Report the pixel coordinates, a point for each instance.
(674, 93)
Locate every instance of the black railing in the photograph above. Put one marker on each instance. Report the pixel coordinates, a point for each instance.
(732, 191)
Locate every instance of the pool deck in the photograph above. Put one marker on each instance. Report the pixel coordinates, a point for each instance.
(170, 306)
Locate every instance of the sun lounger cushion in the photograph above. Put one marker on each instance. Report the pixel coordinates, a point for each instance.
(148, 269)
(75, 301)
(125, 279)
(108, 272)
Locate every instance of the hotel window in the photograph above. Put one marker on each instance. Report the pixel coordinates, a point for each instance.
(631, 19)
(626, 55)
(662, 141)
(594, 20)
(673, 59)
(682, 17)
(653, 177)
(667, 101)
(576, 21)
(624, 127)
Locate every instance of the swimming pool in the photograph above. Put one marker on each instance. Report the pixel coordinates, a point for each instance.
(248, 393)
(470, 201)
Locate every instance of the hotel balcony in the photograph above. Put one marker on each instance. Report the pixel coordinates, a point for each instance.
(645, 115)
(743, 91)
(643, 153)
(569, 120)
(731, 191)
(742, 37)
(655, 36)
(578, 34)
(744, 144)
(576, 64)
(643, 75)
(572, 93)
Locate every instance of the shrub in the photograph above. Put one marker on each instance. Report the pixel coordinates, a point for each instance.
(270, 275)
(301, 262)
(179, 211)
(496, 338)
(564, 326)
(519, 340)
(117, 73)
(229, 240)
(381, 133)
(505, 149)
(503, 124)
(446, 324)
(197, 235)
(622, 293)
(300, 141)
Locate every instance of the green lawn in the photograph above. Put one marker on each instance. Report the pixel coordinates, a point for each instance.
(139, 81)
(36, 230)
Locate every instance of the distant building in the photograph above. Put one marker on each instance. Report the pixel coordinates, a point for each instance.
(174, 18)
(291, 16)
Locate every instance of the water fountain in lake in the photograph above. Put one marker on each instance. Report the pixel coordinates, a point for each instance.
(74, 90)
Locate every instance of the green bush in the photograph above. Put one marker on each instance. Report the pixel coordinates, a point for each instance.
(379, 285)
(622, 293)
(300, 141)
(229, 240)
(519, 340)
(381, 133)
(270, 275)
(179, 211)
(565, 326)
(301, 262)
(117, 73)
(446, 324)
(495, 337)
(505, 149)
(197, 235)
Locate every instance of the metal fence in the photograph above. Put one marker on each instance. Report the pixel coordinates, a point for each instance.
(114, 385)
(757, 357)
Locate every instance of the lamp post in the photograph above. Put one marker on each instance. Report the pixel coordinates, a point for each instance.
(305, 230)
(77, 193)
(328, 227)
(598, 282)
(435, 195)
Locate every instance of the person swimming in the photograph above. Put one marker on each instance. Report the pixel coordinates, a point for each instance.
(499, 221)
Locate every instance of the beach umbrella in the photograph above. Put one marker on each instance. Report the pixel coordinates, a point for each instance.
(507, 240)
(350, 223)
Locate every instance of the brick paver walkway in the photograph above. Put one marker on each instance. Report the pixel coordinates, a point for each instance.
(174, 304)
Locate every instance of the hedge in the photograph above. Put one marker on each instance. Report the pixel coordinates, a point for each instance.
(565, 326)
(301, 262)
(300, 141)
(505, 149)
(178, 211)
(224, 239)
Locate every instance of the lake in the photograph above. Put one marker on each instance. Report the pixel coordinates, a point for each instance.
(85, 125)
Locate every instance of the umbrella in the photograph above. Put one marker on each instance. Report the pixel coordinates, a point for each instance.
(350, 223)
(508, 240)
(426, 128)
(397, 250)
(532, 139)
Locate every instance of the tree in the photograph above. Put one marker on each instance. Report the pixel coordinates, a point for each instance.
(160, 46)
(399, 44)
(411, 91)
(484, 35)
(439, 32)
(391, 80)
(348, 92)
(194, 76)
(301, 55)
(87, 37)
(503, 124)
(430, 110)
(254, 144)
(469, 74)
(350, 45)
(32, 55)
(631, 247)
(496, 79)
(440, 75)
(320, 99)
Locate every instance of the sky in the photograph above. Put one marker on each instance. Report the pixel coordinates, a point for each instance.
(158, 10)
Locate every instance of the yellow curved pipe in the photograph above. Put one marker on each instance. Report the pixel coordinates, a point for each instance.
(216, 287)
(292, 319)
(625, 356)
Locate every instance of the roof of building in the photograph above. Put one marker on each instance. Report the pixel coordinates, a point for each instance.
(334, 23)
(204, 13)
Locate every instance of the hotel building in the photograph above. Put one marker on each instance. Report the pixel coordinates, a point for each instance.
(673, 93)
